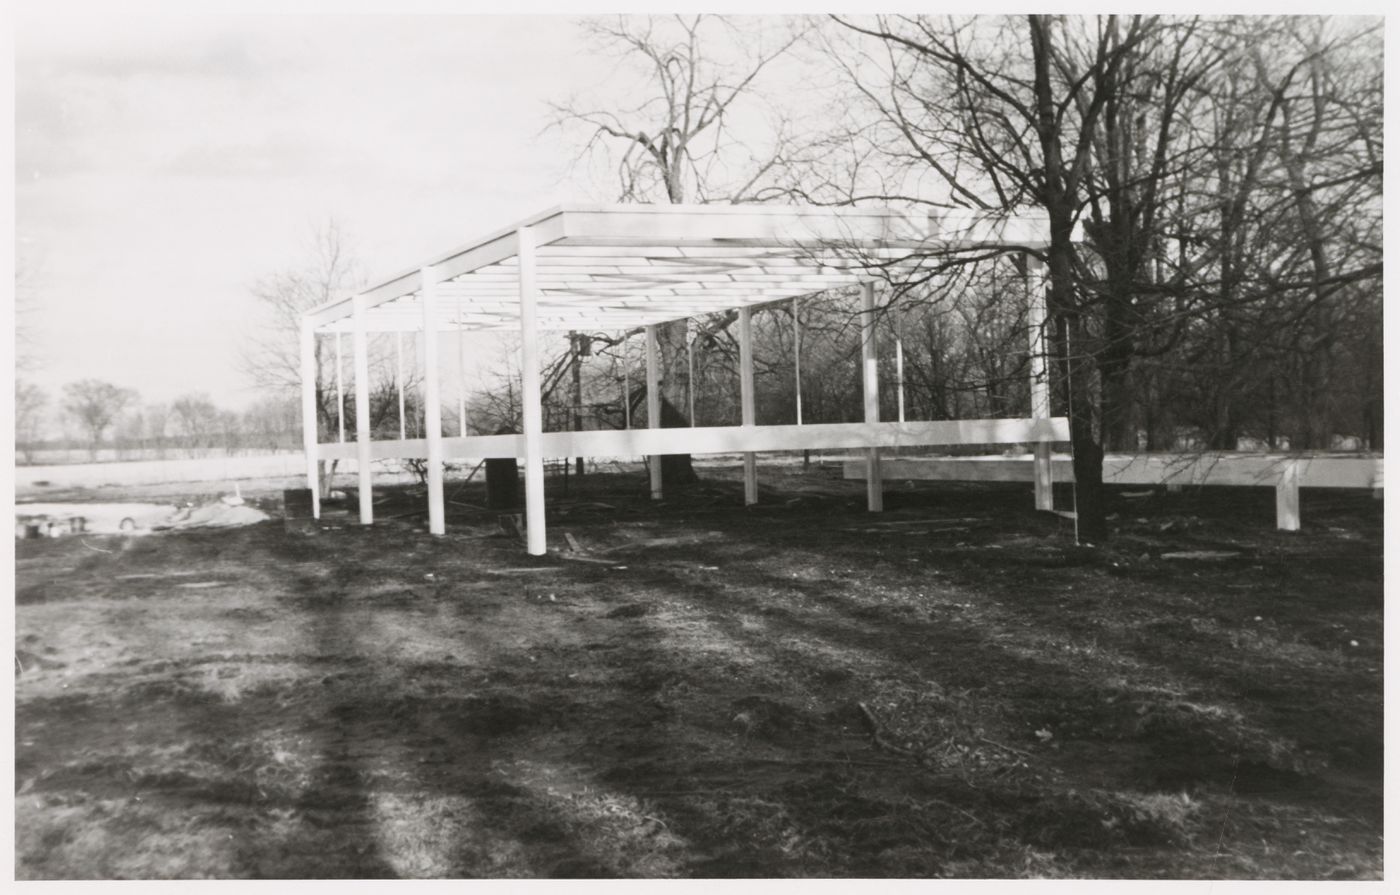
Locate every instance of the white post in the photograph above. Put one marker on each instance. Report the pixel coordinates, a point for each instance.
(746, 401)
(626, 387)
(899, 372)
(530, 396)
(360, 348)
(339, 390)
(432, 400)
(1286, 498)
(1040, 379)
(870, 379)
(797, 356)
(461, 378)
(398, 356)
(309, 436)
(654, 405)
(420, 350)
(690, 374)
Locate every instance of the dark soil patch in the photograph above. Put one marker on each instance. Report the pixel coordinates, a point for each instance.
(380, 703)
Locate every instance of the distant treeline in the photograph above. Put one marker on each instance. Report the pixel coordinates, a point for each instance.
(94, 421)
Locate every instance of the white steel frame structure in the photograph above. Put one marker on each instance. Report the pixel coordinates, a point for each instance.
(628, 267)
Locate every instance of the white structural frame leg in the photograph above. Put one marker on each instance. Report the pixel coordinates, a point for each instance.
(746, 408)
(360, 348)
(626, 385)
(310, 439)
(797, 355)
(461, 377)
(398, 358)
(339, 391)
(654, 405)
(1287, 510)
(899, 366)
(432, 400)
(870, 380)
(1040, 378)
(690, 374)
(530, 411)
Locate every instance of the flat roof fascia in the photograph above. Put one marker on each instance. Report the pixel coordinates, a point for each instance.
(490, 249)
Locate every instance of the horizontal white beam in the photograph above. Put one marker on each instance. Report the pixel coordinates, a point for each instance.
(729, 439)
(1143, 469)
(757, 224)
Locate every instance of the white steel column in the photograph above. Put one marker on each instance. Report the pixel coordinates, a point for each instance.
(870, 379)
(690, 370)
(398, 356)
(899, 363)
(461, 378)
(310, 439)
(626, 386)
(1040, 380)
(1288, 516)
(797, 356)
(432, 400)
(746, 401)
(531, 417)
(654, 405)
(359, 346)
(420, 350)
(339, 390)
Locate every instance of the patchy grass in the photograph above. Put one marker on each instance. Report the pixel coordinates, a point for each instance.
(951, 689)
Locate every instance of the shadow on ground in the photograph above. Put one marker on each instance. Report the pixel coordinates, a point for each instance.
(951, 688)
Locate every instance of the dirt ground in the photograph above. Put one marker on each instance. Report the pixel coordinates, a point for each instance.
(692, 688)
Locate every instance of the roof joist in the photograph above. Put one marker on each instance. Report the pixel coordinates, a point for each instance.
(611, 267)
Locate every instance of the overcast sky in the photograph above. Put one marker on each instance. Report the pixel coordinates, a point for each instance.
(164, 164)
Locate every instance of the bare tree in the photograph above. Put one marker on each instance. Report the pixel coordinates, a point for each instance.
(95, 405)
(157, 420)
(1206, 159)
(272, 353)
(27, 279)
(671, 133)
(129, 433)
(29, 417)
(688, 80)
(1002, 113)
(195, 420)
(274, 422)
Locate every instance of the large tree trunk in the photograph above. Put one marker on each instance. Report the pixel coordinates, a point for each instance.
(1088, 451)
(1115, 371)
(676, 469)
(1058, 197)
